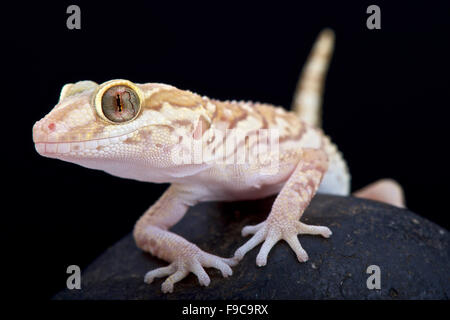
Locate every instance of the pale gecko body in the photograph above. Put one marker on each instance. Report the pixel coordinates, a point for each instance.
(133, 131)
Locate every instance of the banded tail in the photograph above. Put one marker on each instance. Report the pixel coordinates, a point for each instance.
(308, 94)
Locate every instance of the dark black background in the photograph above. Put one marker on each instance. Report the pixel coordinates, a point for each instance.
(385, 105)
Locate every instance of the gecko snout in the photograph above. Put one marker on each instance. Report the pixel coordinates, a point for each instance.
(46, 135)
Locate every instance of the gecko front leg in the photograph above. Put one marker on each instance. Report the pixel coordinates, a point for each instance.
(151, 235)
(283, 221)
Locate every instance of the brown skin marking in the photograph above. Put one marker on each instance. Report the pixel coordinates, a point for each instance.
(166, 126)
(177, 98)
(311, 184)
(270, 116)
(234, 114)
(264, 112)
(265, 124)
(144, 133)
(202, 126)
(316, 159)
(243, 143)
(295, 137)
(219, 115)
(211, 140)
(236, 120)
(298, 187)
(214, 115)
(325, 55)
(290, 118)
(182, 123)
(268, 113)
(131, 140)
(238, 114)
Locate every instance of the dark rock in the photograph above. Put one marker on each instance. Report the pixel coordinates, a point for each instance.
(412, 253)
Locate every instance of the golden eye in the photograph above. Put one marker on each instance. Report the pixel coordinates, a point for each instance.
(120, 103)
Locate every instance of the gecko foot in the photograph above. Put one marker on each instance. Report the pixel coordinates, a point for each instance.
(271, 231)
(191, 262)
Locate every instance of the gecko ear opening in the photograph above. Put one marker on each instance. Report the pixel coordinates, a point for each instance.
(71, 89)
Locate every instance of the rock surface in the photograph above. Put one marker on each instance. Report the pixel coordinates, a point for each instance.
(413, 255)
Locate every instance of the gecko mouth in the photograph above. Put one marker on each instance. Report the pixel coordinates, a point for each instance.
(66, 148)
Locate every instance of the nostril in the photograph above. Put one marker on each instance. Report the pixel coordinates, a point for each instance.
(52, 126)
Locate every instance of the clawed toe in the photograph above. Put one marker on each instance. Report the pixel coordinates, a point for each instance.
(179, 269)
(158, 273)
(247, 230)
(313, 230)
(167, 285)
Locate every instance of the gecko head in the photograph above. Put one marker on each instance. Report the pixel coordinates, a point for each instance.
(119, 123)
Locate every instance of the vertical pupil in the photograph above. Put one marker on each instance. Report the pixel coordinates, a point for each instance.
(119, 103)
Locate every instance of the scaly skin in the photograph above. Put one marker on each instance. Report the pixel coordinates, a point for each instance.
(159, 133)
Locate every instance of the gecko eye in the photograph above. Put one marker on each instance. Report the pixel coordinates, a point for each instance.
(120, 103)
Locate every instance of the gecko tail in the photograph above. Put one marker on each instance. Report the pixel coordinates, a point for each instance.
(308, 94)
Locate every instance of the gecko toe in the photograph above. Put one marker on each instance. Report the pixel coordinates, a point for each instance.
(158, 273)
(271, 240)
(201, 274)
(247, 230)
(167, 285)
(232, 262)
(295, 245)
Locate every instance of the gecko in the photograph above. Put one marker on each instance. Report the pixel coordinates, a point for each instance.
(208, 150)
